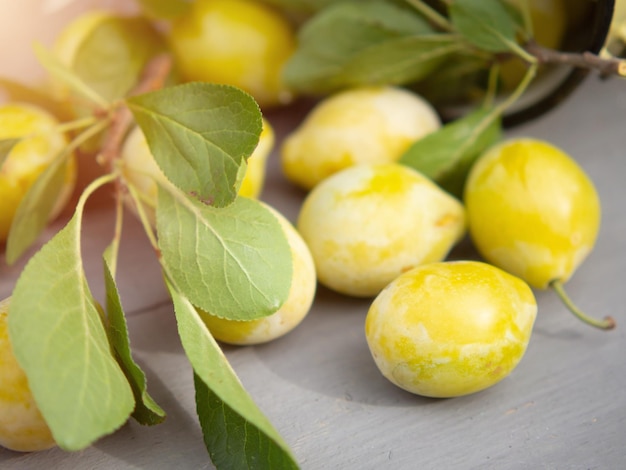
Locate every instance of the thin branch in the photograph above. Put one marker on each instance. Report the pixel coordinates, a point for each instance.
(143, 218)
(586, 60)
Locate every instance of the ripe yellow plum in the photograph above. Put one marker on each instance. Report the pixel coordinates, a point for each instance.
(243, 43)
(451, 328)
(369, 223)
(532, 210)
(360, 125)
(41, 141)
(22, 428)
(289, 315)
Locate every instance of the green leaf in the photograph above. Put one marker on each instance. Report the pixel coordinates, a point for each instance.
(60, 341)
(111, 58)
(347, 41)
(515, 11)
(199, 134)
(6, 145)
(447, 155)
(232, 441)
(237, 434)
(301, 6)
(36, 206)
(65, 75)
(33, 213)
(147, 411)
(399, 61)
(164, 9)
(462, 78)
(233, 262)
(487, 24)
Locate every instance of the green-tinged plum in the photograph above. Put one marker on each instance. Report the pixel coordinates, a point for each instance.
(108, 52)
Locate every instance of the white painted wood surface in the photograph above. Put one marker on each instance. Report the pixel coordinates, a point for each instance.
(564, 407)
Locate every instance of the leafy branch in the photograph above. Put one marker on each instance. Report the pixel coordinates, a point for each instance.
(212, 129)
(378, 44)
(61, 342)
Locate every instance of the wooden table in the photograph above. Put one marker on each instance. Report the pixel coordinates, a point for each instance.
(564, 407)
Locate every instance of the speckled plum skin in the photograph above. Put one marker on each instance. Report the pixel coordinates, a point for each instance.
(451, 328)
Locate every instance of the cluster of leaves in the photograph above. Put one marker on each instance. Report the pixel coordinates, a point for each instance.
(351, 43)
(215, 249)
(418, 44)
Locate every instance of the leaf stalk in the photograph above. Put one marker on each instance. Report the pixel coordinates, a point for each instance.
(91, 188)
(143, 217)
(117, 233)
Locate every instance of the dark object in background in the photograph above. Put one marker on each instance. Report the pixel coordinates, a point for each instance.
(554, 83)
(588, 36)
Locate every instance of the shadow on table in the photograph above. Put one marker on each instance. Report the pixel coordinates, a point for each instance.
(180, 432)
(328, 354)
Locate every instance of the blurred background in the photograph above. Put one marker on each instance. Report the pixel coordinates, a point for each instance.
(26, 21)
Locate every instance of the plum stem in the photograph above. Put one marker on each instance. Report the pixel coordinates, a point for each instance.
(607, 323)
